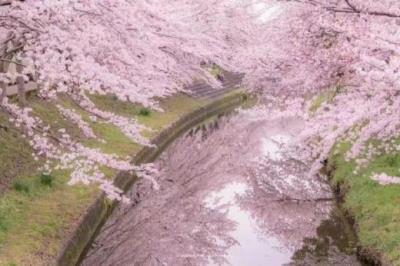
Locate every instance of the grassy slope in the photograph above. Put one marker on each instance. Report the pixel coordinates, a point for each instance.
(375, 208)
(35, 218)
(15, 154)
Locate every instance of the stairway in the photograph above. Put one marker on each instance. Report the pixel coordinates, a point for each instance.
(202, 90)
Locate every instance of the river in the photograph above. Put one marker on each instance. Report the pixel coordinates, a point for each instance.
(226, 197)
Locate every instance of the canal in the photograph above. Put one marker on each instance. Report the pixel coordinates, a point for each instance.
(228, 196)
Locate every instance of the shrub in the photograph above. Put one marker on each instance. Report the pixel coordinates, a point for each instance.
(144, 112)
(46, 179)
(21, 186)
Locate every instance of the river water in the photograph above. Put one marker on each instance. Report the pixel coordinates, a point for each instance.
(227, 197)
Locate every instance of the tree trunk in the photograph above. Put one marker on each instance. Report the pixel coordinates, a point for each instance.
(20, 84)
(3, 86)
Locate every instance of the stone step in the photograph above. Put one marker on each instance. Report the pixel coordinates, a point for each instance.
(200, 89)
(217, 93)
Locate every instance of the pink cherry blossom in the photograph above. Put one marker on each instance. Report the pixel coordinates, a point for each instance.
(138, 51)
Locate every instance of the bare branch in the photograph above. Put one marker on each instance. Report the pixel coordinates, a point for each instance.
(12, 61)
(352, 6)
(352, 9)
(11, 35)
(5, 2)
(7, 17)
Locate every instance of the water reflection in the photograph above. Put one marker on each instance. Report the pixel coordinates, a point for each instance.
(219, 204)
(333, 245)
(253, 248)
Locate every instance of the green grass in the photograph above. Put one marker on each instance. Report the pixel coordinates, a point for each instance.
(38, 211)
(15, 154)
(35, 218)
(325, 97)
(50, 115)
(375, 208)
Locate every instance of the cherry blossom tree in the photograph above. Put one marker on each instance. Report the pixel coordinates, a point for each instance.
(140, 50)
(372, 30)
(135, 50)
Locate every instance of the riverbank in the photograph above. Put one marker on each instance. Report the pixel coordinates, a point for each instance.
(40, 213)
(372, 208)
